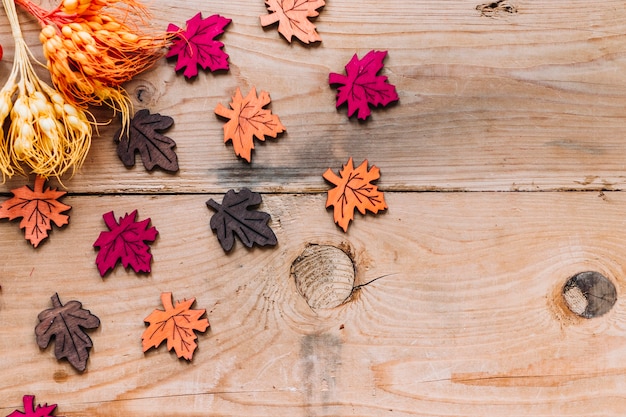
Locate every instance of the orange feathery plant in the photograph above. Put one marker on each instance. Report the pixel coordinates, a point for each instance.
(93, 46)
(46, 132)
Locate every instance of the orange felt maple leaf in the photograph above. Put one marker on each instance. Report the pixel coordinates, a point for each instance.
(248, 119)
(37, 208)
(353, 190)
(176, 324)
(292, 17)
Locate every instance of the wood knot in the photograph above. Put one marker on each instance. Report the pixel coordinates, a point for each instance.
(145, 93)
(495, 8)
(589, 294)
(60, 377)
(324, 276)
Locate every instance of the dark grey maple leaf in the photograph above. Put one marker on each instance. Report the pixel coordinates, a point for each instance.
(235, 216)
(143, 136)
(66, 323)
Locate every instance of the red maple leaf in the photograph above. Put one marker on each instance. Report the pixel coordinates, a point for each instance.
(196, 45)
(126, 242)
(292, 17)
(361, 86)
(31, 411)
(37, 208)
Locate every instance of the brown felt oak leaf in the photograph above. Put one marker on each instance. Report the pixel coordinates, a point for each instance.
(67, 324)
(353, 189)
(177, 324)
(236, 216)
(125, 241)
(361, 87)
(248, 119)
(37, 208)
(292, 17)
(30, 410)
(143, 136)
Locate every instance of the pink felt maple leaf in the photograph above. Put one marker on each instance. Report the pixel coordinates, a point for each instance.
(126, 242)
(31, 411)
(361, 87)
(196, 45)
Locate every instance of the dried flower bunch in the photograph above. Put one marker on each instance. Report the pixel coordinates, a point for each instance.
(47, 132)
(93, 46)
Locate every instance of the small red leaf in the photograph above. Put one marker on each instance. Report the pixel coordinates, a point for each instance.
(126, 242)
(361, 87)
(196, 45)
(30, 410)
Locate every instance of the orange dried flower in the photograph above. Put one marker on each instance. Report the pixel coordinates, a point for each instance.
(93, 46)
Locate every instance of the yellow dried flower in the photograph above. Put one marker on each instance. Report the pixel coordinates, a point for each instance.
(47, 133)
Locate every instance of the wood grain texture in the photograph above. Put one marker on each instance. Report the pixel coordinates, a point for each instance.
(466, 320)
(456, 308)
(526, 101)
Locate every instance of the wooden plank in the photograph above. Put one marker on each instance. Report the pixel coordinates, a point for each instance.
(456, 308)
(465, 319)
(529, 100)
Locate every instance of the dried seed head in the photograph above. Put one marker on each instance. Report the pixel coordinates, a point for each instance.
(56, 98)
(69, 6)
(21, 110)
(66, 31)
(58, 110)
(70, 110)
(38, 106)
(74, 122)
(21, 146)
(46, 125)
(85, 38)
(48, 31)
(5, 106)
(27, 132)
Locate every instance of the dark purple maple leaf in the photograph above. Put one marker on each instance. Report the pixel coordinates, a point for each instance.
(235, 217)
(143, 136)
(196, 45)
(361, 87)
(31, 411)
(66, 324)
(126, 242)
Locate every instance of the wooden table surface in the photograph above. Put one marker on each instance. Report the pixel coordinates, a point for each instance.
(502, 164)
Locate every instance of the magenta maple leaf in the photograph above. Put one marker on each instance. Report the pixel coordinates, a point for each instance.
(196, 45)
(31, 411)
(361, 87)
(126, 242)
